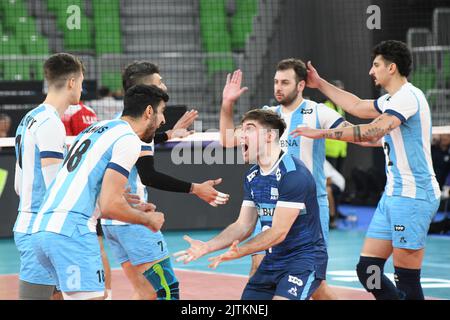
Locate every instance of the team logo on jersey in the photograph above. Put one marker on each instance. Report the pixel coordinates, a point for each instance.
(252, 175)
(278, 174)
(307, 111)
(399, 228)
(266, 212)
(273, 193)
(293, 291)
(295, 280)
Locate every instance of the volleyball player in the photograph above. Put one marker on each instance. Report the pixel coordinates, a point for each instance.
(143, 255)
(280, 192)
(289, 83)
(411, 197)
(96, 168)
(40, 148)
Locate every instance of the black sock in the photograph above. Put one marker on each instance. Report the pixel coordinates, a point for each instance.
(408, 281)
(370, 272)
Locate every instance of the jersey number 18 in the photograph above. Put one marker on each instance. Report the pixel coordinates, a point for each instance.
(73, 159)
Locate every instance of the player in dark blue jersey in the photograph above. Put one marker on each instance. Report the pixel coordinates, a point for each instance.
(279, 191)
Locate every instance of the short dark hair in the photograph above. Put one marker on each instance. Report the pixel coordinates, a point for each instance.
(103, 92)
(135, 72)
(267, 118)
(59, 66)
(139, 97)
(396, 52)
(296, 64)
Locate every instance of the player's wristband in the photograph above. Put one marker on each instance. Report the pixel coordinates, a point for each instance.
(160, 137)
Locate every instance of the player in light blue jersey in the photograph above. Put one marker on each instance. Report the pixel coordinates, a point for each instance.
(289, 83)
(280, 192)
(96, 169)
(411, 198)
(144, 255)
(40, 149)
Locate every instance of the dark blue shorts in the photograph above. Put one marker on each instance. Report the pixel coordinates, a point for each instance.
(290, 284)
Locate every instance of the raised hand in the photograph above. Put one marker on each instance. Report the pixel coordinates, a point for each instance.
(232, 90)
(231, 254)
(196, 250)
(313, 78)
(207, 193)
(180, 129)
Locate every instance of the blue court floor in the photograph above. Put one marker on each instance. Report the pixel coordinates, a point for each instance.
(344, 248)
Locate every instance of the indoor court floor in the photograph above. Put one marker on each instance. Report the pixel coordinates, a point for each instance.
(198, 282)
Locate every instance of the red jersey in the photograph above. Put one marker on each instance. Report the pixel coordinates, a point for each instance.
(77, 118)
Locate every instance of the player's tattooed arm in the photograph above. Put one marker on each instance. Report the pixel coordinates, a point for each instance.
(371, 132)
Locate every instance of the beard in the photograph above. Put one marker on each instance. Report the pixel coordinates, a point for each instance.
(287, 100)
(149, 133)
(149, 137)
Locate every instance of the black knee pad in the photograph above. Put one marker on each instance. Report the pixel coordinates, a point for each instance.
(370, 271)
(369, 267)
(408, 282)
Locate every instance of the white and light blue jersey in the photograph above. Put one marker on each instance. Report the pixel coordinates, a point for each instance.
(407, 148)
(40, 134)
(310, 151)
(288, 184)
(70, 200)
(136, 186)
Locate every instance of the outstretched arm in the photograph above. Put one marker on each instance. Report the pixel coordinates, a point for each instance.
(283, 219)
(152, 178)
(371, 132)
(360, 108)
(240, 230)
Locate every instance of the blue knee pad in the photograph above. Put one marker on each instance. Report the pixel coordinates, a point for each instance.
(163, 280)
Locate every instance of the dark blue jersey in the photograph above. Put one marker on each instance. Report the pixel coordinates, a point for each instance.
(289, 184)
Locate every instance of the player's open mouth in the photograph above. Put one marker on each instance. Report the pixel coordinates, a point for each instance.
(244, 147)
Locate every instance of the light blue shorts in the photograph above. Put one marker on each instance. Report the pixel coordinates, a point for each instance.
(31, 269)
(74, 261)
(135, 243)
(404, 221)
(324, 211)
